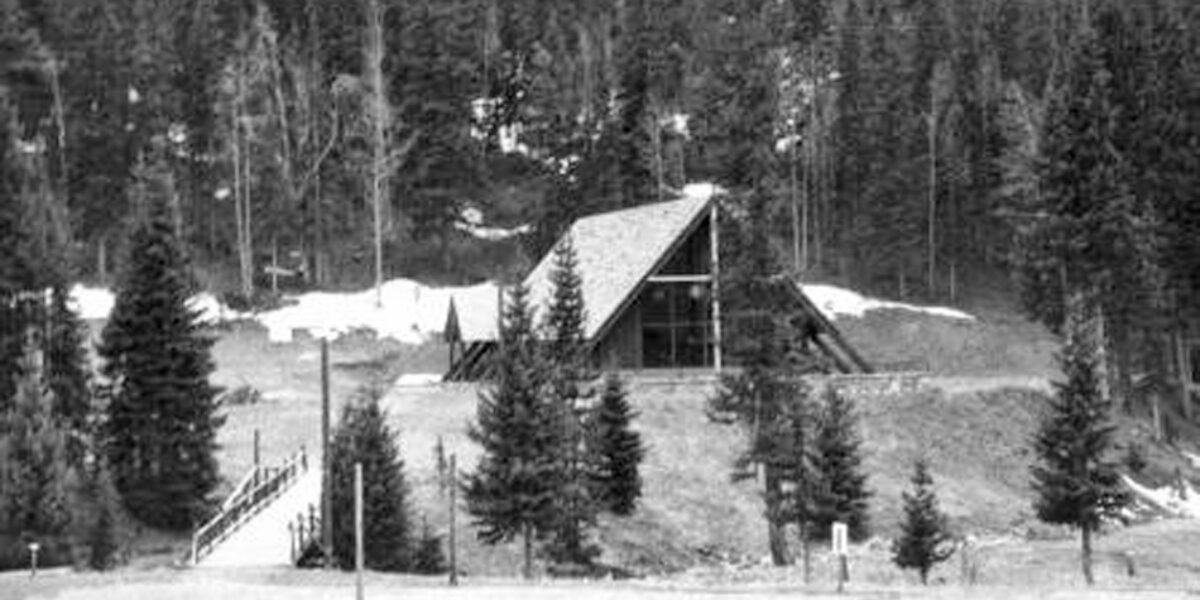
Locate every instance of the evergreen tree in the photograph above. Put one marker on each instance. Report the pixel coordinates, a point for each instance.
(363, 436)
(767, 396)
(618, 450)
(841, 490)
(1094, 230)
(568, 387)
(512, 491)
(924, 534)
(162, 421)
(34, 476)
(429, 558)
(67, 370)
(99, 509)
(1076, 482)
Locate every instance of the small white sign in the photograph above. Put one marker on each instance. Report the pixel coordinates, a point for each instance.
(840, 544)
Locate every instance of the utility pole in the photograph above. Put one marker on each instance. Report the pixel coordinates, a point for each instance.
(358, 531)
(453, 524)
(326, 464)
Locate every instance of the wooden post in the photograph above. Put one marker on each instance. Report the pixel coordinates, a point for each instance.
(326, 466)
(453, 524)
(358, 531)
(1181, 365)
(257, 455)
(715, 270)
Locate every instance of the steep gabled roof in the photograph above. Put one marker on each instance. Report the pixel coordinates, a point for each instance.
(617, 251)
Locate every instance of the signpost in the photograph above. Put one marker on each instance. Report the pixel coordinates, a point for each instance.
(840, 548)
(33, 552)
(358, 531)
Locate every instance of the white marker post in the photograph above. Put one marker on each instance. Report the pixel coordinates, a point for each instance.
(33, 552)
(358, 530)
(840, 549)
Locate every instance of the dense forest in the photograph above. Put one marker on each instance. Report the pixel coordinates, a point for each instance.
(900, 145)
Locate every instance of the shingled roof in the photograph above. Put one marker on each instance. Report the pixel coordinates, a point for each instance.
(616, 252)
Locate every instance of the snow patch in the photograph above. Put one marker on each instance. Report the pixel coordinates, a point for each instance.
(91, 303)
(97, 303)
(407, 311)
(837, 302)
(1192, 458)
(1180, 501)
(418, 379)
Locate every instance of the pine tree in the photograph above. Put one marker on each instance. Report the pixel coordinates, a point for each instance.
(34, 476)
(429, 558)
(924, 533)
(1076, 482)
(67, 370)
(162, 421)
(100, 526)
(568, 388)
(841, 490)
(618, 450)
(363, 436)
(767, 396)
(512, 491)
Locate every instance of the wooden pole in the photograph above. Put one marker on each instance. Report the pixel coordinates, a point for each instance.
(326, 465)
(453, 523)
(715, 269)
(257, 454)
(358, 531)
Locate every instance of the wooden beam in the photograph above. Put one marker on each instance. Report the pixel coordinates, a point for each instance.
(714, 248)
(679, 278)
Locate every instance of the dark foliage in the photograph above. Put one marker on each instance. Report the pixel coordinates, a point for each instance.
(925, 538)
(841, 491)
(618, 450)
(569, 389)
(162, 420)
(429, 558)
(1076, 482)
(363, 436)
(512, 491)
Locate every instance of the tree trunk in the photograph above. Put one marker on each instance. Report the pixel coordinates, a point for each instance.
(932, 233)
(806, 549)
(1086, 553)
(380, 119)
(776, 530)
(527, 568)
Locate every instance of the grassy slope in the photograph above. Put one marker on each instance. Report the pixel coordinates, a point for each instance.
(974, 426)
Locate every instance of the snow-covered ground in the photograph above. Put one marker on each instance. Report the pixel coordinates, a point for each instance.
(837, 302)
(1180, 502)
(407, 311)
(411, 312)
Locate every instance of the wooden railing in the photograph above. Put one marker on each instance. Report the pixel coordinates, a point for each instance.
(304, 533)
(255, 491)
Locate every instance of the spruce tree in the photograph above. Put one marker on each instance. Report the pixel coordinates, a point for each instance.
(618, 450)
(34, 476)
(1076, 482)
(363, 436)
(766, 395)
(162, 420)
(512, 491)
(924, 534)
(841, 491)
(429, 558)
(98, 513)
(569, 388)
(67, 370)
